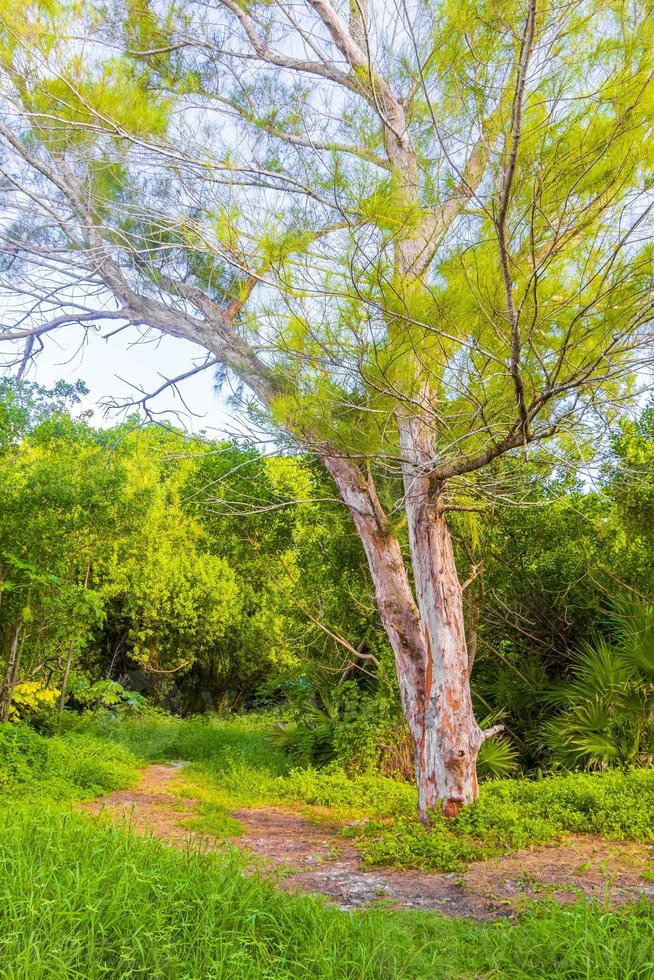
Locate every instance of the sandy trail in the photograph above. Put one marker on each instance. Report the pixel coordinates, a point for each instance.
(315, 858)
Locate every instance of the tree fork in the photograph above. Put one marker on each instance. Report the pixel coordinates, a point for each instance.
(427, 637)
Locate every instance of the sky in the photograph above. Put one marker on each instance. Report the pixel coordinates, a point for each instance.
(116, 368)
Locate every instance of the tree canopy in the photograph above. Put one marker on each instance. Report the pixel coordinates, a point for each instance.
(438, 208)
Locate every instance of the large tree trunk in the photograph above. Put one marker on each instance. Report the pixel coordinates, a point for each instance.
(447, 750)
(450, 739)
(393, 593)
(427, 636)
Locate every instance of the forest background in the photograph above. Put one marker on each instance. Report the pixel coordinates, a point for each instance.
(142, 570)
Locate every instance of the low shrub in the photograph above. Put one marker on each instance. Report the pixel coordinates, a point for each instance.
(512, 814)
(605, 709)
(63, 767)
(23, 755)
(365, 731)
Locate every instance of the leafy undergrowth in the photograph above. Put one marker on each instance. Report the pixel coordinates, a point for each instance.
(234, 765)
(512, 814)
(80, 899)
(69, 767)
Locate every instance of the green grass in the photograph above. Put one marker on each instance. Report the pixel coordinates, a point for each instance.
(214, 820)
(78, 899)
(83, 899)
(162, 738)
(233, 765)
(70, 767)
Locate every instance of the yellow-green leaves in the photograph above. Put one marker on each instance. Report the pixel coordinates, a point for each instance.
(29, 23)
(389, 208)
(279, 243)
(112, 99)
(32, 698)
(144, 32)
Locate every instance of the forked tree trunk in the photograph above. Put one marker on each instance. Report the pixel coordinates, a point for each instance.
(393, 592)
(426, 632)
(449, 743)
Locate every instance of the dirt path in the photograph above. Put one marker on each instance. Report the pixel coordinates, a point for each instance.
(152, 809)
(313, 857)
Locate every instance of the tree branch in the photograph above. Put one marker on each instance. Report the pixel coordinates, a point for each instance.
(505, 197)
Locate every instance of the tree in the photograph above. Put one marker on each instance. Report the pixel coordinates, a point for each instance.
(304, 592)
(60, 507)
(136, 551)
(419, 235)
(169, 601)
(24, 404)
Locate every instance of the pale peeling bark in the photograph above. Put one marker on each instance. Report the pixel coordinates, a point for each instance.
(393, 593)
(449, 739)
(426, 631)
(427, 636)
(446, 754)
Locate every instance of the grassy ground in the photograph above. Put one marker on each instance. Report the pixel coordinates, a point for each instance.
(64, 768)
(79, 899)
(234, 765)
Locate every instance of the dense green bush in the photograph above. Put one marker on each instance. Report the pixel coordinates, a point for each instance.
(23, 755)
(316, 718)
(67, 767)
(104, 695)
